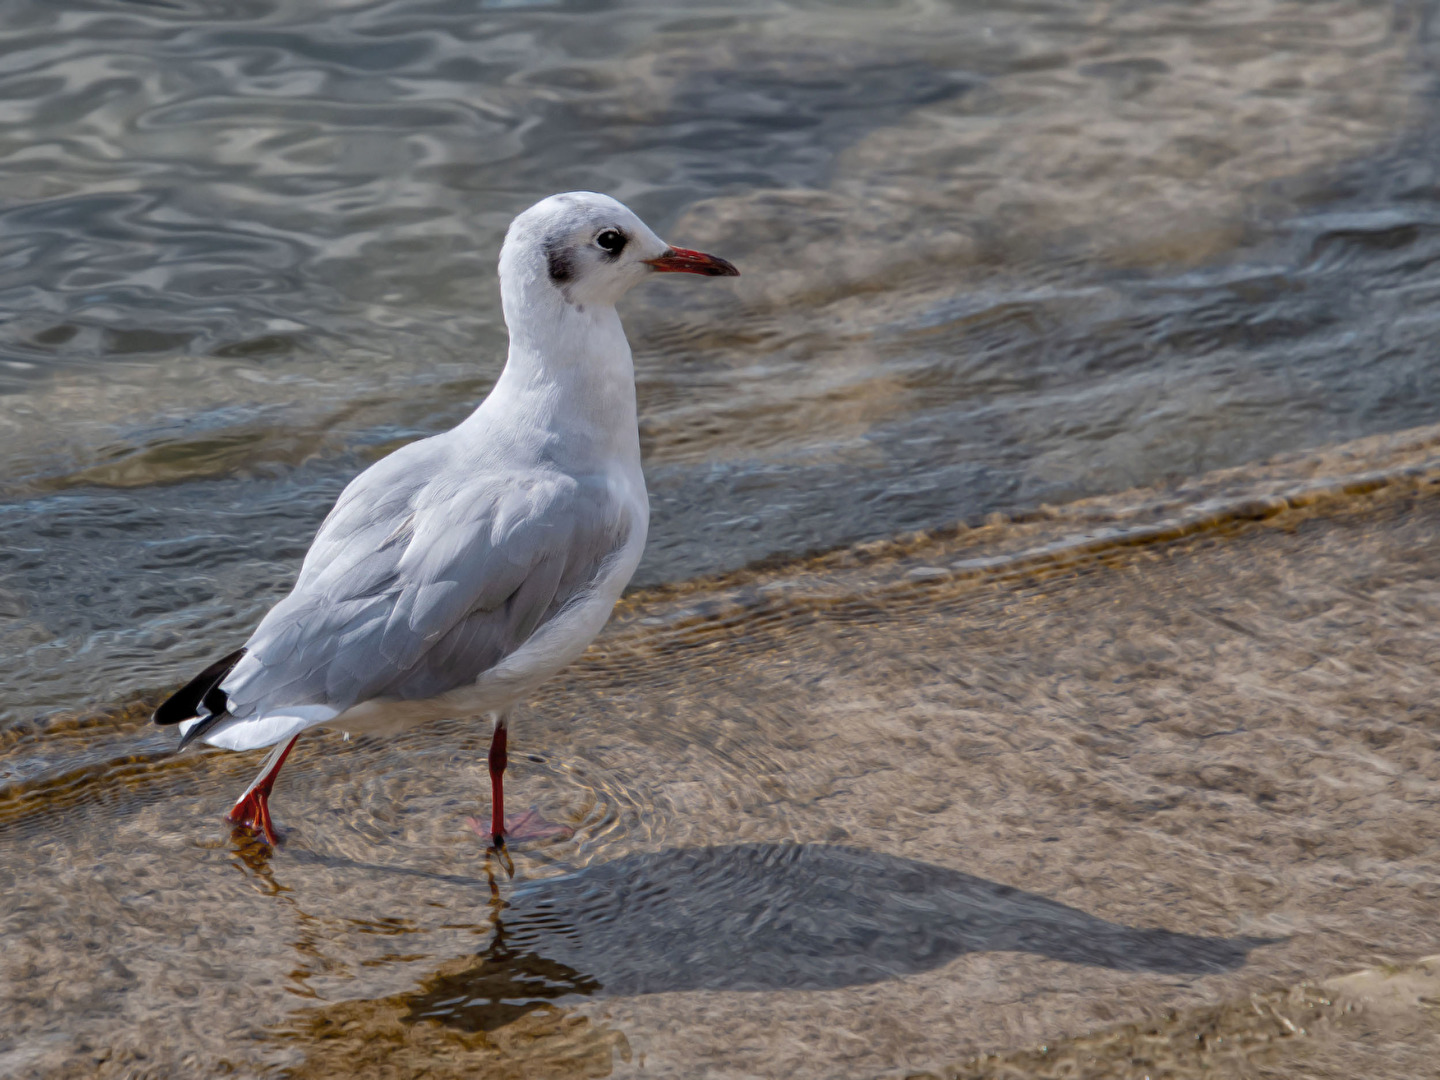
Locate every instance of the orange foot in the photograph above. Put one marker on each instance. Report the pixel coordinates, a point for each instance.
(522, 827)
(253, 812)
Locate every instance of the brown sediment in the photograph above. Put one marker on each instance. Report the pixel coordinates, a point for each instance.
(515, 1032)
(374, 1040)
(1373, 1023)
(98, 750)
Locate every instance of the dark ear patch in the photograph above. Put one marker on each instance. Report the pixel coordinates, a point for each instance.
(560, 261)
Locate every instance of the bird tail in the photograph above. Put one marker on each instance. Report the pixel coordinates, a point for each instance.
(200, 700)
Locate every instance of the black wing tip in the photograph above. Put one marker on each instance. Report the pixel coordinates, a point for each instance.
(199, 729)
(201, 691)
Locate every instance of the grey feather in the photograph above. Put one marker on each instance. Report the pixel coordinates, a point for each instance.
(412, 589)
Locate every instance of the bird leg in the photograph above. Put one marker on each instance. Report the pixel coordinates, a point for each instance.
(498, 761)
(527, 826)
(252, 810)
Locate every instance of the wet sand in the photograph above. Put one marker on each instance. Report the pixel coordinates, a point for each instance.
(1368, 1023)
(876, 812)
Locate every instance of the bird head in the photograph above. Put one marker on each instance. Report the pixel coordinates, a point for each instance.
(592, 249)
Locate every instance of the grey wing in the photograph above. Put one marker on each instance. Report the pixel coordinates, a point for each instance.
(414, 589)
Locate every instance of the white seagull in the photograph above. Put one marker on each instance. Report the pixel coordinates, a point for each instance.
(454, 576)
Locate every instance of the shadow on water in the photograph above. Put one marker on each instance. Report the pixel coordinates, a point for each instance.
(774, 917)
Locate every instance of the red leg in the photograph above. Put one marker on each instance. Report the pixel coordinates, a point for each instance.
(527, 826)
(498, 761)
(252, 810)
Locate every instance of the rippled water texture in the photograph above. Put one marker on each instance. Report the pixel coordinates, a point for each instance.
(1130, 310)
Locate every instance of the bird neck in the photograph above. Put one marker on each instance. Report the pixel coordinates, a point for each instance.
(571, 379)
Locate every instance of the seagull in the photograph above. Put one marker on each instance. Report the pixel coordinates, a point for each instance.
(456, 575)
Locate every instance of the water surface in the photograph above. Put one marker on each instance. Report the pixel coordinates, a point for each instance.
(997, 258)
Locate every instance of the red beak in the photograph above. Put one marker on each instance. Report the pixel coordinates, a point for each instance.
(685, 261)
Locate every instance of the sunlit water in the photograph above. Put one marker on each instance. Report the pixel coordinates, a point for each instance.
(996, 258)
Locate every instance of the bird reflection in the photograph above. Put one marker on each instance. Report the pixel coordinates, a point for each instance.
(506, 983)
(253, 854)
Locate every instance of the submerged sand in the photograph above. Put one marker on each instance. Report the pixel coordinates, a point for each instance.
(1128, 780)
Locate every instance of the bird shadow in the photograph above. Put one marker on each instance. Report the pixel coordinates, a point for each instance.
(774, 917)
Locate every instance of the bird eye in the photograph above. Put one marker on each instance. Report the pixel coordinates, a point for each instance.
(611, 240)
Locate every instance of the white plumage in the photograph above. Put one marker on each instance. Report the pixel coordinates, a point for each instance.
(457, 574)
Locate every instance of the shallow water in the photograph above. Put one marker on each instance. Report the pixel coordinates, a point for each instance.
(997, 258)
